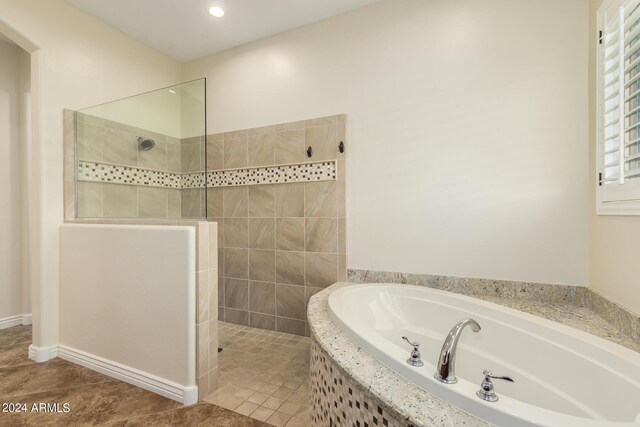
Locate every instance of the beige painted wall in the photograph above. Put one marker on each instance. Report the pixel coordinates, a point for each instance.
(131, 299)
(77, 61)
(10, 183)
(467, 133)
(614, 268)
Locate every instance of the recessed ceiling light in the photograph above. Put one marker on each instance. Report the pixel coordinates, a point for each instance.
(216, 11)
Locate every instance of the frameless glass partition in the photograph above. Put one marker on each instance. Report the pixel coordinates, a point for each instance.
(143, 156)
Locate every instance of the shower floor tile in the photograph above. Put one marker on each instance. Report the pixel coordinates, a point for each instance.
(263, 374)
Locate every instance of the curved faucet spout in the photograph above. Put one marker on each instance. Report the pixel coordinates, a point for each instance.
(446, 369)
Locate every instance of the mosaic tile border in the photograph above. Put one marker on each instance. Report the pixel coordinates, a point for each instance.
(335, 400)
(115, 174)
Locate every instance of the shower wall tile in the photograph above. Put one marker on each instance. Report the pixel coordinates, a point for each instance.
(155, 172)
(215, 151)
(236, 293)
(235, 152)
(262, 265)
(119, 201)
(261, 149)
(281, 242)
(262, 202)
(262, 233)
(290, 268)
(236, 202)
(289, 147)
(262, 297)
(152, 202)
(290, 234)
(289, 200)
(90, 199)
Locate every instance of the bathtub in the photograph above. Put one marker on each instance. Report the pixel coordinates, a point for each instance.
(563, 377)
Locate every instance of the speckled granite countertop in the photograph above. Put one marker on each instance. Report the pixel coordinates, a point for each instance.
(419, 407)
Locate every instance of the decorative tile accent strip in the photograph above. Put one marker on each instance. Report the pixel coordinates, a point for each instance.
(304, 172)
(114, 174)
(101, 172)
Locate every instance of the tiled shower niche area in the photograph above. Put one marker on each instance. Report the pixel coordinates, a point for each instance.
(281, 219)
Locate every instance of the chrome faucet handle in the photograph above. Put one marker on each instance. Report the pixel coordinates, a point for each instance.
(487, 391)
(415, 359)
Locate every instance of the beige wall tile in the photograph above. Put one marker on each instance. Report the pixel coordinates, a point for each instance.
(236, 263)
(191, 157)
(202, 248)
(174, 208)
(290, 326)
(204, 388)
(174, 155)
(262, 201)
(212, 277)
(235, 152)
(89, 142)
(320, 269)
(289, 200)
(342, 267)
(262, 233)
(214, 202)
(283, 127)
(120, 148)
(69, 144)
(239, 317)
(342, 235)
(321, 121)
(156, 158)
(236, 202)
(261, 150)
(262, 297)
(310, 291)
(320, 199)
(342, 200)
(203, 348)
(236, 232)
(119, 201)
(236, 293)
(324, 142)
(89, 199)
(290, 268)
(192, 203)
(262, 321)
(152, 202)
(202, 287)
(290, 301)
(262, 265)
(290, 234)
(215, 152)
(213, 245)
(321, 235)
(290, 147)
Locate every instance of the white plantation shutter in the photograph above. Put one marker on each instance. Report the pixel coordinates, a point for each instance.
(619, 107)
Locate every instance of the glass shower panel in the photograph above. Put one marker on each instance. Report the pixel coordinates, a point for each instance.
(143, 156)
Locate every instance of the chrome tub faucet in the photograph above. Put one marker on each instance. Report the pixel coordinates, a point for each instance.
(446, 368)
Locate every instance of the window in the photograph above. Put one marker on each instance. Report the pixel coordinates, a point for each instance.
(618, 160)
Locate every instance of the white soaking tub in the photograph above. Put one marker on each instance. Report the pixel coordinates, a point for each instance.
(563, 376)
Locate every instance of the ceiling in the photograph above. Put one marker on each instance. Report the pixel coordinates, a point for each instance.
(184, 29)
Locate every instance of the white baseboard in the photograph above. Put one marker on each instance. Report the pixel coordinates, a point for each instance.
(161, 386)
(42, 354)
(27, 319)
(11, 321)
(17, 320)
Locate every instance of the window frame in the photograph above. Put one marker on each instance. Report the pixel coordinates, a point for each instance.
(630, 206)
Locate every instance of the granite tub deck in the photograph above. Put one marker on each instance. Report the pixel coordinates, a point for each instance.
(405, 402)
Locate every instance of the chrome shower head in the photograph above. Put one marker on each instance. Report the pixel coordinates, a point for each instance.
(145, 144)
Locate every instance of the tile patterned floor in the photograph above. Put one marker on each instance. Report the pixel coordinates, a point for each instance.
(263, 374)
(94, 399)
